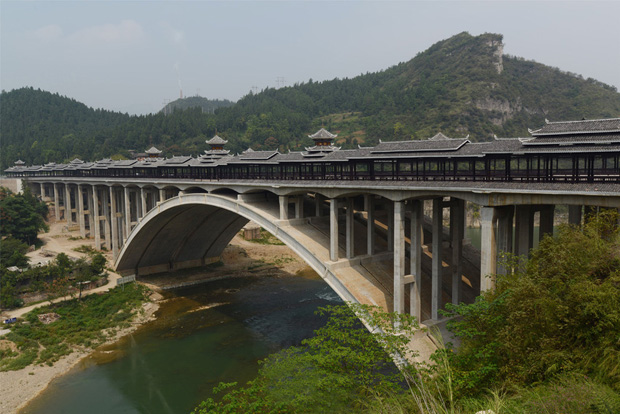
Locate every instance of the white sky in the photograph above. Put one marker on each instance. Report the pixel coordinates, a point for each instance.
(131, 56)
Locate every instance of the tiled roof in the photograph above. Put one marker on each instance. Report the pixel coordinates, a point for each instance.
(419, 146)
(574, 140)
(256, 155)
(579, 127)
(153, 150)
(217, 140)
(322, 134)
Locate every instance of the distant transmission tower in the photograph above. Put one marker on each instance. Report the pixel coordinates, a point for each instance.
(280, 81)
(254, 89)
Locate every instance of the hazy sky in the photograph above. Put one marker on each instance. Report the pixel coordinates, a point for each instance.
(131, 56)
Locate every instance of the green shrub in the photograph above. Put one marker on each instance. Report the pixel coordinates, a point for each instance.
(559, 313)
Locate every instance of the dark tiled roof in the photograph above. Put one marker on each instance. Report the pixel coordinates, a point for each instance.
(419, 146)
(579, 127)
(175, 161)
(251, 155)
(573, 140)
(571, 149)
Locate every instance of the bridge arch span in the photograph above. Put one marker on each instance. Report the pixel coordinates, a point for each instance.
(190, 229)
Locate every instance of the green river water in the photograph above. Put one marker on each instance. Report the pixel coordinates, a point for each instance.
(203, 335)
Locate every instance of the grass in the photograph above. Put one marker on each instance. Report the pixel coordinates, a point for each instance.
(85, 249)
(81, 324)
(267, 238)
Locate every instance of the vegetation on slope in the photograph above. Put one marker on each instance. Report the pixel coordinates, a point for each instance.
(545, 341)
(85, 324)
(206, 105)
(461, 85)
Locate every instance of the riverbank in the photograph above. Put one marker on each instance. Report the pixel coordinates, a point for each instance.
(241, 258)
(21, 386)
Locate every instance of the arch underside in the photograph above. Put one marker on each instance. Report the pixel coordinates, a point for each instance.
(185, 236)
(192, 230)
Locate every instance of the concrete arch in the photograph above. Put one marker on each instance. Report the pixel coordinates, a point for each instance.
(188, 230)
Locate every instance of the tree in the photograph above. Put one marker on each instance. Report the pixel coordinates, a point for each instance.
(559, 313)
(97, 263)
(21, 216)
(13, 253)
(82, 273)
(331, 370)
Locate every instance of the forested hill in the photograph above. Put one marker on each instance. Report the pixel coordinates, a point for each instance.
(37, 126)
(459, 86)
(207, 105)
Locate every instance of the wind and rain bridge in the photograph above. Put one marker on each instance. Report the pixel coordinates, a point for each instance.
(356, 216)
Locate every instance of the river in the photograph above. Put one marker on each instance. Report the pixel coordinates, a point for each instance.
(206, 334)
(203, 335)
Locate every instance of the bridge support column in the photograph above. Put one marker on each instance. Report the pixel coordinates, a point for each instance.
(437, 262)
(399, 256)
(333, 230)
(299, 207)
(350, 229)
(457, 228)
(369, 206)
(283, 207)
(91, 218)
(114, 222)
(318, 205)
(415, 258)
(488, 249)
(56, 202)
(390, 227)
(546, 220)
(505, 219)
(80, 203)
(127, 208)
(574, 215)
(68, 214)
(143, 202)
(162, 195)
(105, 200)
(524, 230)
(97, 217)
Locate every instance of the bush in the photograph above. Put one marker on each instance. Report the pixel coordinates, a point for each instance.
(560, 313)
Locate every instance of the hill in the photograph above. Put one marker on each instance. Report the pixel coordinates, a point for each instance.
(461, 85)
(207, 105)
(38, 126)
